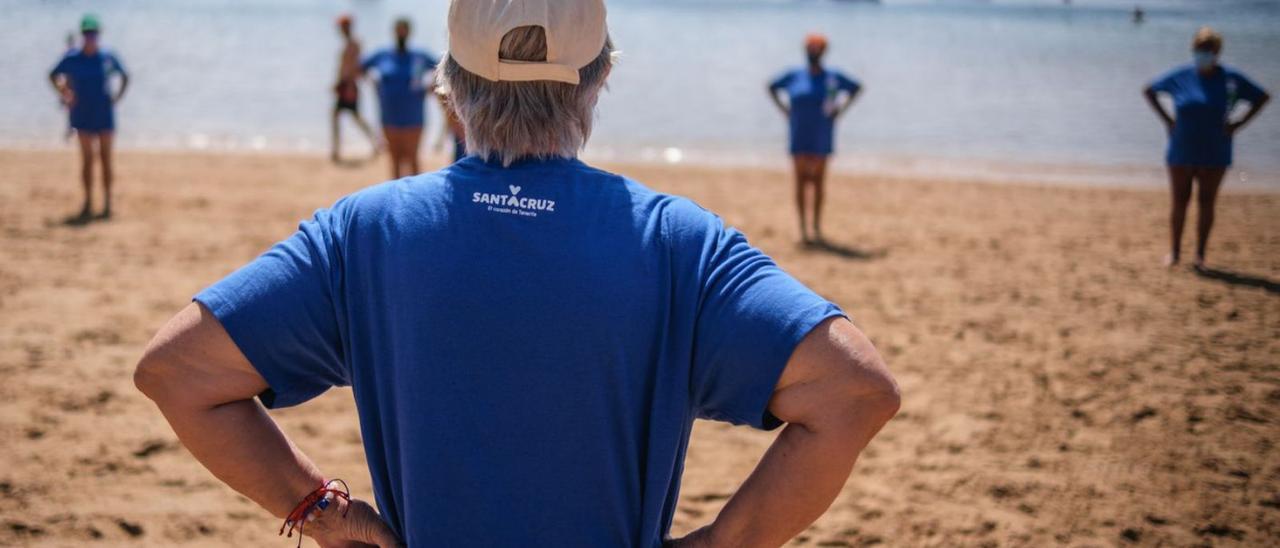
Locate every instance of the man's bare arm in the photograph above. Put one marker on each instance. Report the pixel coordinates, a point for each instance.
(60, 85)
(849, 98)
(1254, 108)
(1154, 101)
(124, 85)
(777, 100)
(835, 394)
(205, 388)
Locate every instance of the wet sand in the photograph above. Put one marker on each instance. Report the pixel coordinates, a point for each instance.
(1061, 387)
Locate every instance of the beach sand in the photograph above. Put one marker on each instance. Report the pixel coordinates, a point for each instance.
(1060, 386)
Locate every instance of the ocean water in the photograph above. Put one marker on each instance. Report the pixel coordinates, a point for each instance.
(1013, 85)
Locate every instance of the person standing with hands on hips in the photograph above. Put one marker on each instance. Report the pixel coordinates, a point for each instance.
(816, 97)
(83, 79)
(402, 78)
(1201, 131)
(528, 338)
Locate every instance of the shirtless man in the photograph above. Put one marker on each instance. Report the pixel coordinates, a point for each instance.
(346, 88)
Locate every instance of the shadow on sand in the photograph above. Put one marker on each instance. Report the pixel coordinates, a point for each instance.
(846, 252)
(80, 220)
(1237, 278)
(352, 163)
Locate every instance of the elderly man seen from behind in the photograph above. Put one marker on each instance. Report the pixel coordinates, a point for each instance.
(528, 338)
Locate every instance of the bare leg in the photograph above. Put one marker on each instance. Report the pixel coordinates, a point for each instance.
(368, 132)
(802, 181)
(819, 180)
(393, 146)
(335, 137)
(1210, 180)
(108, 173)
(86, 171)
(1180, 188)
(413, 139)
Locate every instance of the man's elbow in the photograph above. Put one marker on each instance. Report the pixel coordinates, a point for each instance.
(154, 375)
(871, 391)
(886, 398)
(147, 377)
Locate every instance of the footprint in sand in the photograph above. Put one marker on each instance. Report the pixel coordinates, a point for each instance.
(99, 336)
(95, 402)
(132, 529)
(152, 447)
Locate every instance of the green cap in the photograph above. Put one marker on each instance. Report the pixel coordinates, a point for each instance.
(89, 23)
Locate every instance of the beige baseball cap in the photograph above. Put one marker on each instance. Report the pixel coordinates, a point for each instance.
(575, 30)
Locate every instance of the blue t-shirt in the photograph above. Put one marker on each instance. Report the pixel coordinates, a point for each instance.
(528, 346)
(89, 78)
(1202, 105)
(813, 100)
(402, 89)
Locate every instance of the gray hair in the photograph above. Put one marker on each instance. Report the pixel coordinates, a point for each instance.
(514, 120)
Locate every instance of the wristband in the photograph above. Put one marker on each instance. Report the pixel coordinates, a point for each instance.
(320, 499)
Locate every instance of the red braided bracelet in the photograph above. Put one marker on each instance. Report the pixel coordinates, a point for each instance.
(317, 500)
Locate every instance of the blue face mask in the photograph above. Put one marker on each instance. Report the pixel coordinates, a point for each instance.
(1204, 59)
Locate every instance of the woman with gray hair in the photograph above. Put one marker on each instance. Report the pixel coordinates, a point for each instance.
(528, 338)
(508, 114)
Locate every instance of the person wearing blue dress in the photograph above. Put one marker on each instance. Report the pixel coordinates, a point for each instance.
(402, 76)
(816, 97)
(82, 79)
(1203, 93)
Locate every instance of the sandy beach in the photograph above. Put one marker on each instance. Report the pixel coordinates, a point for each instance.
(1060, 386)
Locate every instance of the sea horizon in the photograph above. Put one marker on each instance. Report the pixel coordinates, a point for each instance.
(954, 87)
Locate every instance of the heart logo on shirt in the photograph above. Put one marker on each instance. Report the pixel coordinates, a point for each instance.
(514, 189)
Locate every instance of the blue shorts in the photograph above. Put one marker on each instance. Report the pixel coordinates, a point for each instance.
(403, 111)
(812, 141)
(1205, 149)
(93, 120)
(402, 121)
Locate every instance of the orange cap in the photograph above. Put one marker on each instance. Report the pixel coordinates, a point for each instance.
(815, 40)
(344, 19)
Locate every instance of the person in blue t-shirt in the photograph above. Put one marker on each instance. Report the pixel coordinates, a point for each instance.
(82, 79)
(816, 97)
(528, 339)
(1204, 95)
(403, 79)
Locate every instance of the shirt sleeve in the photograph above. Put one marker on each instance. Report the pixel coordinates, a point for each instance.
(782, 81)
(370, 61)
(1165, 82)
(1247, 89)
(279, 310)
(750, 317)
(116, 66)
(61, 67)
(848, 84)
